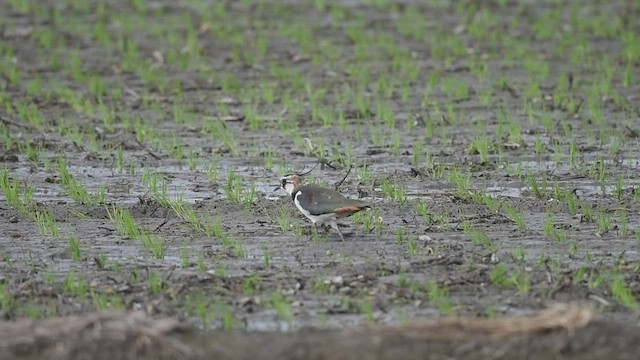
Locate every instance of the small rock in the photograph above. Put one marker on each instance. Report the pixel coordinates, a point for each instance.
(245, 301)
(288, 292)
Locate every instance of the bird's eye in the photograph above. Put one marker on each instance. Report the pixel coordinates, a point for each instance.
(284, 182)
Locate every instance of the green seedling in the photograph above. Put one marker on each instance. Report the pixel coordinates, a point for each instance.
(228, 319)
(394, 192)
(574, 152)
(596, 279)
(498, 276)
(8, 301)
(269, 159)
(413, 246)
(184, 257)
(20, 198)
(101, 196)
(175, 147)
(620, 291)
(400, 236)
(521, 281)
(440, 297)
(580, 275)
(461, 182)
(233, 187)
(363, 173)
(317, 237)
(481, 197)
(124, 222)
(221, 270)
(32, 311)
(573, 248)
(153, 244)
(46, 223)
(619, 188)
(249, 198)
(422, 208)
(200, 263)
(478, 237)
(31, 151)
(623, 222)
(75, 188)
(366, 306)
(514, 215)
(284, 219)
(604, 223)
(481, 146)
(539, 146)
(266, 257)
(107, 301)
(30, 114)
(212, 170)
(239, 249)
(107, 114)
(571, 199)
(220, 132)
(282, 306)
(185, 212)
(371, 220)
(192, 159)
(251, 285)
(538, 189)
(155, 282)
(134, 276)
(157, 184)
(49, 277)
(518, 254)
(322, 287)
(196, 304)
(75, 285)
(587, 211)
(126, 226)
(599, 171)
(215, 228)
(74, 246)
(101, 261)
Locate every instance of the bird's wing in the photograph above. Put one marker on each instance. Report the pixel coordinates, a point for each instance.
(323, 201)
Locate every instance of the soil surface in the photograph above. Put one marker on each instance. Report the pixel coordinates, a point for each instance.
(560, 332)
(160, 106)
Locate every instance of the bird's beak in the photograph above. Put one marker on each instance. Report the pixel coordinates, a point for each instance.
(277, 188)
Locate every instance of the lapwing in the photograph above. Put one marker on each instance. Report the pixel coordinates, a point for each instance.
(322, 206)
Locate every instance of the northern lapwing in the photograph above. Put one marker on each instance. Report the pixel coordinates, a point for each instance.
(322, 206)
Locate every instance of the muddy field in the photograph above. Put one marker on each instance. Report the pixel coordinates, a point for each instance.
(141, 143)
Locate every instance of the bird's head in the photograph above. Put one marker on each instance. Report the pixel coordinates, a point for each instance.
(290, 183)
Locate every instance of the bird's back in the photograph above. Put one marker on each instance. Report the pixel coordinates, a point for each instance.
(319, 200)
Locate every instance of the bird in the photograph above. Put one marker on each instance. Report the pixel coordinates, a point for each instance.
(321, 206)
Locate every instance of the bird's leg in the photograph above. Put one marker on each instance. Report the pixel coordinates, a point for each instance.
(334, 225)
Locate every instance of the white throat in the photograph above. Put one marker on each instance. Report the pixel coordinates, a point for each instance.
(289, 187)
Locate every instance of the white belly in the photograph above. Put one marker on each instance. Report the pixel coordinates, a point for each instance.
(321, 219)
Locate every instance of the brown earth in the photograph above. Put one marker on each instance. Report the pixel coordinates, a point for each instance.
(562, 332)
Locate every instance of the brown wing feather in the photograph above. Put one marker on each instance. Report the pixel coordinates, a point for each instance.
(346, 210)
